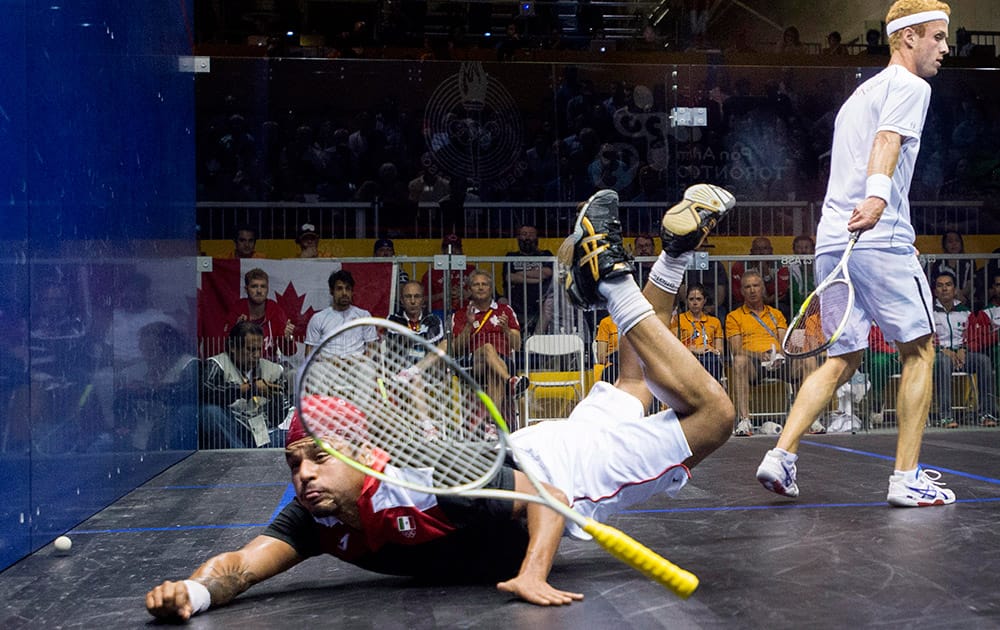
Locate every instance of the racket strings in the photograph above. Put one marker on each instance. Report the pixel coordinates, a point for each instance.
(421, 418)
(814, 327)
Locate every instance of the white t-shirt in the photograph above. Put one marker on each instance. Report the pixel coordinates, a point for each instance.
(608, 455)
(896, 100)
(325, 322)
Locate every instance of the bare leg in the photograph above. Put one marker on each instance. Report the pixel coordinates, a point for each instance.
(488, 364)
(678, 379)
(741, 384)
(814, 395)
(914, 399)
(630, 375)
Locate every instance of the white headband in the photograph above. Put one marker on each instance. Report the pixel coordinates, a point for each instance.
(915, 18)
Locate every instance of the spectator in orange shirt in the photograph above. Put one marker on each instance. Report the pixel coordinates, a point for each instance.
(700, 332)
(245, 242)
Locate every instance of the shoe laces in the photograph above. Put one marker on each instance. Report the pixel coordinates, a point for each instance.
(931, 477)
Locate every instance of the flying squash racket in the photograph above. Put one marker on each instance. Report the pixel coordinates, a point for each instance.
(824, 313)
(437, 429)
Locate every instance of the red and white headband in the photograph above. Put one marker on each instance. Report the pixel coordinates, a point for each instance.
(915, 18)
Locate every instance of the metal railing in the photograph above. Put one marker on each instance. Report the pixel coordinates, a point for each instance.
(217, 220)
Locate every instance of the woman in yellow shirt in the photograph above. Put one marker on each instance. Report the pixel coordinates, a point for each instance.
(606, 349)
(700, 332)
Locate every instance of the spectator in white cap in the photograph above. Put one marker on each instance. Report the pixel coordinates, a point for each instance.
(308, 241)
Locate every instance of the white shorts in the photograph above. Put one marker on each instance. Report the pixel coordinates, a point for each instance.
(607, 456)
(889, 287)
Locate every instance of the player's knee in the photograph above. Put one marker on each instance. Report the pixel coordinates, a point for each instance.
(724, 413)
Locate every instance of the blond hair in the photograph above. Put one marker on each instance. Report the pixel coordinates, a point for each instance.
(902, 8)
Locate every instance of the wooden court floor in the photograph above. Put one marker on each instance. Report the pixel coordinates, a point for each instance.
(838, 557)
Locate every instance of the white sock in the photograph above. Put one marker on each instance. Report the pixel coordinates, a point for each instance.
(791, 458)
(626, 303)
(908, 475)
(668, 273)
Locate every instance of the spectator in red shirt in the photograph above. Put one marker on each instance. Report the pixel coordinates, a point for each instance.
(279, 330)
(485, 335)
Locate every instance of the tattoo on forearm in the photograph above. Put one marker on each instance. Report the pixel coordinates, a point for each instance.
(224, 588)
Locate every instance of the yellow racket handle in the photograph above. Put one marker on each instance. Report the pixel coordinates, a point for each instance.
(635, 554)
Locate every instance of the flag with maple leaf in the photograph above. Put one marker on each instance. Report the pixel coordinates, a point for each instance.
(298, 286)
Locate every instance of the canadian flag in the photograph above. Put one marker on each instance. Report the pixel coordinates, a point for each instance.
(300, 287)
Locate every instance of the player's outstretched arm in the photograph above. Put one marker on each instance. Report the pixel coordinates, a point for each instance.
(545, 529)
(224, 576)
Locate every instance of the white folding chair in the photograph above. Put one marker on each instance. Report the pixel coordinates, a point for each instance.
(554, 365)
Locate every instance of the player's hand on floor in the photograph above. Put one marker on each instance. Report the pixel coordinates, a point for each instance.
(169, 601)
(538, 591)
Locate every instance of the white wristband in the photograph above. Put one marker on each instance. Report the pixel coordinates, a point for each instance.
(198, 595)
(878, 185)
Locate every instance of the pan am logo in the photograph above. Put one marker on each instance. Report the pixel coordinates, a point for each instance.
(473, 128)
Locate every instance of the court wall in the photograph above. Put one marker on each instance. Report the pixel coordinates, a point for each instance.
(96, 242)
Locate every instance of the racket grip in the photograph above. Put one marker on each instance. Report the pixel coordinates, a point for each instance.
(635, 554)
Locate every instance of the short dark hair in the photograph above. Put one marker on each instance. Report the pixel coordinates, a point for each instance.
(244, 228)
(803, 237)
(239, 332)
(341, 275)
(946, 274)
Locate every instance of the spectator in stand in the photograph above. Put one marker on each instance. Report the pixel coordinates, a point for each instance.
(308, 240)
(428, 186)
(951, 322)
(413, 316)
(158, 403)
(961, 269)
(245, 242)
(715, 279)
(542, 159)
(606, 349)
(643, 247)
(367, 145)
(244, 396)
(700, 332)
(963, 43)
(790, 43)
(754, 332)
(508, 45)
(883, 362)
(341, 311)
(434, 280)
(874, 45)
(452, 206)
(984, 277)
(834, 45)
(396, 212)
(302, 164)
(277, 328)
(385, 248)
(776, 280)
(984, 327)
(340, 169)
(800, 271)
(527, 283)
(610, 169)
(486, 334)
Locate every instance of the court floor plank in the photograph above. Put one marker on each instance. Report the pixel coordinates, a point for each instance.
(838, 557)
